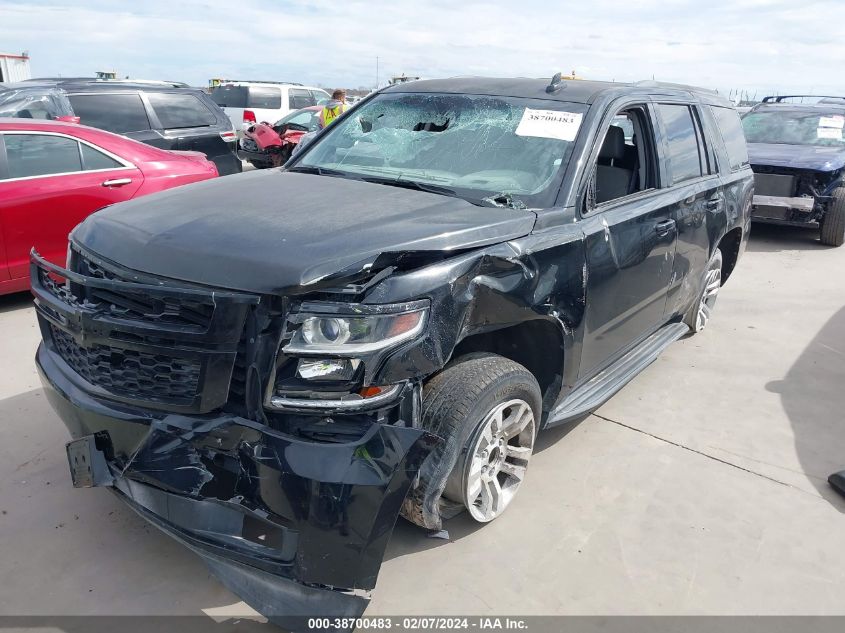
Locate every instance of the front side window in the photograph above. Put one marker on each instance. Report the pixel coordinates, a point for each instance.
(30, 155)
(299, 98)
(624, 165)
(793, 126)
(320, 97)
(267, 98)
(476, 146)
(177, 111)
(684, 151)
(118, 113)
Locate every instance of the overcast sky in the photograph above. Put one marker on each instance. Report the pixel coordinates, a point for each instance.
(755, 45)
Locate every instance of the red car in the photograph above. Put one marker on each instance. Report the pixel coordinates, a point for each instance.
(53, 175)
(266, 145)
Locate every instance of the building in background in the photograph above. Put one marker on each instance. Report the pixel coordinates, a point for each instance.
(14, 67)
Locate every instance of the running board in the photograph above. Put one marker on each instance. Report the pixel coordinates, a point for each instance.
(601, 388)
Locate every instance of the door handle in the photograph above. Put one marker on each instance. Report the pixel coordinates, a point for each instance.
(665, 226)
(713, 203)
(117, 182)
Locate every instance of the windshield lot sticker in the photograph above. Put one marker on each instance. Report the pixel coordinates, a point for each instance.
(549, 124)
(835, 121)
(829, 132)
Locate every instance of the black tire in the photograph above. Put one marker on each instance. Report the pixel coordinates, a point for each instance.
(455, 402)
(833, 220)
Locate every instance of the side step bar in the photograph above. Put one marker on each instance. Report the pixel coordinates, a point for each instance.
(600, 388)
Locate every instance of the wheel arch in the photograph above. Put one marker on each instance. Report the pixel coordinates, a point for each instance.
(730, 245)
(536, 344)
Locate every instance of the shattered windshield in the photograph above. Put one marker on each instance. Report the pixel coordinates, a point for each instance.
(475, 146)
(792, 127)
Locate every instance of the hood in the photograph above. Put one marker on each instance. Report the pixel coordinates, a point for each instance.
(814, 157)
(271, 231)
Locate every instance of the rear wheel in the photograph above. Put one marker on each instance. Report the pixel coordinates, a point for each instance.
(487, 409)
(833, 220)
(700, 312)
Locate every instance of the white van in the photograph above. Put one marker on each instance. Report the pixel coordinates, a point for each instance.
(248, 102)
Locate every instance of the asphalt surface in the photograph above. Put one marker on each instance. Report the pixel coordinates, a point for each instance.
(698, 489)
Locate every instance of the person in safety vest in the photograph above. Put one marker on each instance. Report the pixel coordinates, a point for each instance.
(333, 108)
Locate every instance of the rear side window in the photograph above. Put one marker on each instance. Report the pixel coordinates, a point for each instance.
(684, 152)
(730, 127)
(320, 97)
(118, 113)
(180, 110)
(229, 96)
(41, 155)
(95, 159)
(264, 97)
(300, 98)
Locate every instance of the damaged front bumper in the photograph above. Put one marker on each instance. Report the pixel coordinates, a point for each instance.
(295, 528)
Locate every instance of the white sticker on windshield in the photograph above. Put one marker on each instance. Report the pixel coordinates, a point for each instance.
(829, 132)
(837, 121)
(549, 124)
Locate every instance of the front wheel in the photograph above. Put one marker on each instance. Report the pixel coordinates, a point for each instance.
(833, 221)
(700, 312)
(487, 409)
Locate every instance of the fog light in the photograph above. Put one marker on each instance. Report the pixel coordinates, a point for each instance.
(327, 368)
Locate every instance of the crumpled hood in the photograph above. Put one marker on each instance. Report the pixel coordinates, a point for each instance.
(817, 158)
(272, 231)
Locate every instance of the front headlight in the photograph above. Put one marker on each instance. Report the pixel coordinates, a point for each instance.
(359, 334)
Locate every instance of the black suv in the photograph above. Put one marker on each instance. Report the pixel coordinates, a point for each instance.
(270, 368)
(153, 113)
(798, 157)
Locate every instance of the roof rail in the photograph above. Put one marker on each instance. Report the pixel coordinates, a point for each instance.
(223, 82)
(651, 83)
(780, 98)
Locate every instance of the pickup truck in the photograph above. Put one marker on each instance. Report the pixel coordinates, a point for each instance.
(272, 367)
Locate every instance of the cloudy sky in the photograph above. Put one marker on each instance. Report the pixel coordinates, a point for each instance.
(756, 45)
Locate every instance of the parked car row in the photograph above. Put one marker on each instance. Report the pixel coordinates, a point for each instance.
(387, 321)
(53, 175)
(250, 102)
(160, 115)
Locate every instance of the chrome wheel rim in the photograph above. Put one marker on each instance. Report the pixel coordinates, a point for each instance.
(497, 459)
(712, 285)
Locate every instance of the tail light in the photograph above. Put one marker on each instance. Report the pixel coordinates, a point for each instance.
(230, 137)
(249, 116)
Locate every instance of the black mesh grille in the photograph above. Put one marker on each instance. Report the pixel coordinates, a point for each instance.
(131, 373)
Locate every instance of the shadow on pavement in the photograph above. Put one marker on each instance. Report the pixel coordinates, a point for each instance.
(15, 301)
(813, 397)
(772, 238)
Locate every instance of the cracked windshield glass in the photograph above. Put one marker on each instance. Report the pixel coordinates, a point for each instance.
(485, 149)
(794, 128)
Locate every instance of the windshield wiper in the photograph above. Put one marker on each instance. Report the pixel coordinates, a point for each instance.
(320, 171)
(411, 184)
(504, 199)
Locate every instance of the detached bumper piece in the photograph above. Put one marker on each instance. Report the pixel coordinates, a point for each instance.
(297, 528)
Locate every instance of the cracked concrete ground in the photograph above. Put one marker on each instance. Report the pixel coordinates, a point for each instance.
(698, 489)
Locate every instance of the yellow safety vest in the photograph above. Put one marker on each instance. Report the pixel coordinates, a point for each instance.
(330, 114)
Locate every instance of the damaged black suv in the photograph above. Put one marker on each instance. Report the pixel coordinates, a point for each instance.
(271, 367)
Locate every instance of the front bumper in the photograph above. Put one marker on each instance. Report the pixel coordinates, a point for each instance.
(295, 528)
(783, 209)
